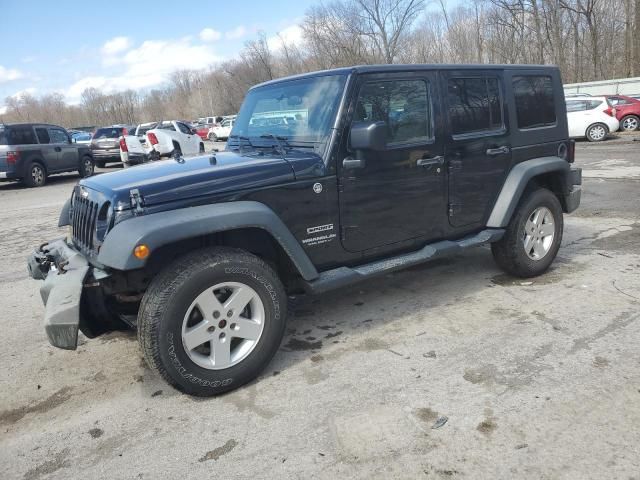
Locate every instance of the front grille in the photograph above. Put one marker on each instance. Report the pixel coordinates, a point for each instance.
(84, 216)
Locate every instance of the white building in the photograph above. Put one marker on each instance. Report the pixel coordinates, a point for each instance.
(621, 86)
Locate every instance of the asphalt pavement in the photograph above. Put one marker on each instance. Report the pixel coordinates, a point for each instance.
(448, 370)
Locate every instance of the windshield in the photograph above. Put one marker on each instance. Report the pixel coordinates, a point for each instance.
(299, 110)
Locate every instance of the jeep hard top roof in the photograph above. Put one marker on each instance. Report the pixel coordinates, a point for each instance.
(361, 69)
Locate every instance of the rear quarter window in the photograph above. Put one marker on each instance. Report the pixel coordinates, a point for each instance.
(535, 102)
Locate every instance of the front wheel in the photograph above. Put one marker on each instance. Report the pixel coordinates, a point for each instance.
(212, 320)
(533, 236)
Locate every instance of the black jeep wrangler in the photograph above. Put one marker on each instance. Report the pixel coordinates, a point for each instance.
(328, 178)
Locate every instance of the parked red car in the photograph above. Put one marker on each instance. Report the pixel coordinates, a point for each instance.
(627, 111)
(202, 131)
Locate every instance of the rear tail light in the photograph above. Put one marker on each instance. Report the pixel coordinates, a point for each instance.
(152, 138)
(123, 145)
(12, 157)
(611, 111)
(571, 151)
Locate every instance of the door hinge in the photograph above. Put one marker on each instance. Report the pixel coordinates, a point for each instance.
(454, 208)
(137, 203)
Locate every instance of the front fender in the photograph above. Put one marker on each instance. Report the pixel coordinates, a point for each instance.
(517, 181)
(163, 228)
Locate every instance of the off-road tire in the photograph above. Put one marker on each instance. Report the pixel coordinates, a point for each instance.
(591, 132)
(168, 298)
(509, 252)
(35, 175)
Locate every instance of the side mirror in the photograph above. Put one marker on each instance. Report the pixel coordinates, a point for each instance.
(368, 136)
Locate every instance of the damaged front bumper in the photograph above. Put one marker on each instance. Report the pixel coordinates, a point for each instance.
(63, 270)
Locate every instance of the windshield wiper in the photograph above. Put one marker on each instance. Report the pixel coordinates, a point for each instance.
(241, 137)
(282, 142)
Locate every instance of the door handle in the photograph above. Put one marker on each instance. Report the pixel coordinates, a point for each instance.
(492, 152)
(58, 149)
(436, 161)
(350, 163)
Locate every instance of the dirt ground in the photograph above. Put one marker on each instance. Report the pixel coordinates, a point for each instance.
(449, 370)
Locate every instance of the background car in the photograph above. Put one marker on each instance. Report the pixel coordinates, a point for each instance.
(222, 131)
(591, 118)
(81, 137)
(30, 152)
(202, 130)
(104, 143)
(627, 111)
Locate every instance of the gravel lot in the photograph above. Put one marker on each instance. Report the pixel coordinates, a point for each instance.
(537, 379)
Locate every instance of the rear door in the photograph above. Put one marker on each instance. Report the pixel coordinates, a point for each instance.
(67, 151)
(576, 117)
(397, 194)
(49, 151)
(478, 149)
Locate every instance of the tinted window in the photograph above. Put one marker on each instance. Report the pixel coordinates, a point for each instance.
(474, 105)
(183, 128)
(107, 133)
(535, 105)
(43, 135)
(576, 105)
(18, 135)
(403, 105)
(591, 104)
(58, 136)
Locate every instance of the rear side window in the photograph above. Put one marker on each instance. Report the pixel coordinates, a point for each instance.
(535, 105)
(404, 105)
(18, 135)
(591, 104)
(58, 136)
(43, 135)
(576, 106)
(475, 105)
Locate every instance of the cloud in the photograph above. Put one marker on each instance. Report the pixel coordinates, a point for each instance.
(210, 35)
(9, 74)
(3, 109)
(26, 91)
(116, 45)
(290, 35)
(146, 66)
(238, 32)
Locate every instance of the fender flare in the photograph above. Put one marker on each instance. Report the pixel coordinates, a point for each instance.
(64, 219)
(163, 228)
(517, 181)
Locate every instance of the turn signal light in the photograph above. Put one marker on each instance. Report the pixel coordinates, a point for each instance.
(141, 252)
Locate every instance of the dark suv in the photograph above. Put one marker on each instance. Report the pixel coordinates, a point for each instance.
(30, 152)
(105, 143)
(375, 169)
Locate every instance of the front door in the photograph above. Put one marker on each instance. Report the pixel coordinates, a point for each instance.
(67, 152)
(398, 193)
(478, 150)
(49, 152)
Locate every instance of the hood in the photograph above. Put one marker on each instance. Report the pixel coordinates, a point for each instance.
(169, 180)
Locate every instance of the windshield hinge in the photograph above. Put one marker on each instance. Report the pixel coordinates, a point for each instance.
(137, 203)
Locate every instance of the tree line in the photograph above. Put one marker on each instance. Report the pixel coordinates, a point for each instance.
(587, 39)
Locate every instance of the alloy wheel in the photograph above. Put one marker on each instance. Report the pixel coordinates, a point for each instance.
(37, 174)
(630, 124)
(539, 232)
(223, 325)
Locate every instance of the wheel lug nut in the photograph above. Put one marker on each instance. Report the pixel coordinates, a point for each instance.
(230, 313)
(222, 335)
(211, 329)
(232, 326)
(216, 314)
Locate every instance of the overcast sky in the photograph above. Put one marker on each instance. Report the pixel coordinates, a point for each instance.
(48, 46)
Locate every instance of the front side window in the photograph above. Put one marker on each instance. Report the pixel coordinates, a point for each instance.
(475, 105)
(535, 104)
(404, 105)
(183, 128)
(301, 110)
(58, 136)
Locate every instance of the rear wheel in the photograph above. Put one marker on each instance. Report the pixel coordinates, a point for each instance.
(213, 137)
(533, 236)
(212, 320)
(176, 149)
(630, 123)
(597, 132)
(35, 175)
(86, 167)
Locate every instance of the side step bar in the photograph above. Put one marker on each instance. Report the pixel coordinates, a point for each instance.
(342, 276)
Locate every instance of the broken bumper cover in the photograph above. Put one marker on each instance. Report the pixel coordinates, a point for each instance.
(63, 270)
